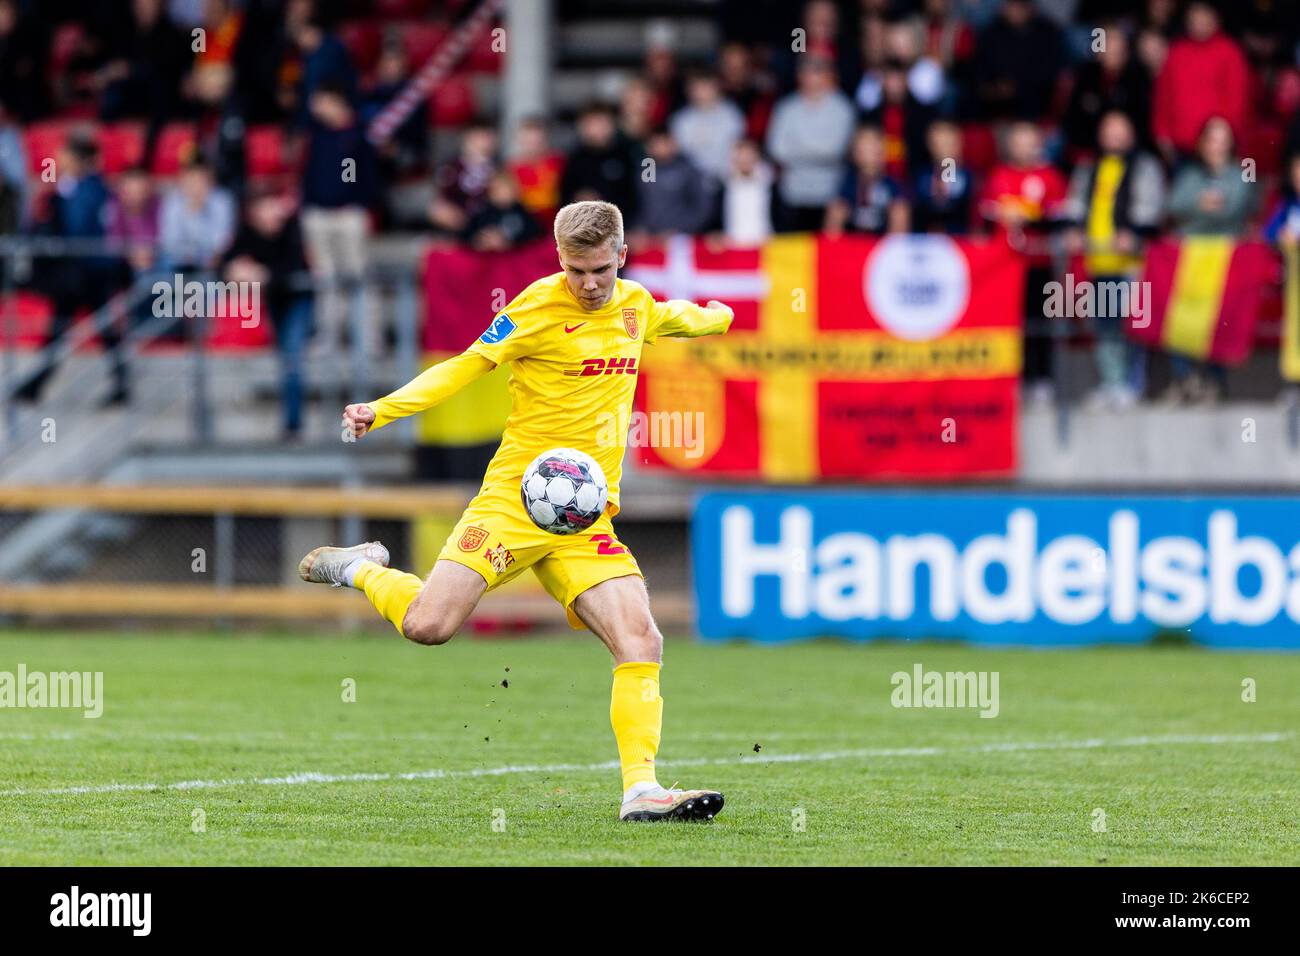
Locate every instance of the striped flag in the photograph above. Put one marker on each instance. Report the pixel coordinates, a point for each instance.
(431, 74)
(1205, 297)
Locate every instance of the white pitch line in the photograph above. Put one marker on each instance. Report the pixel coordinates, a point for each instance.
(296, 779)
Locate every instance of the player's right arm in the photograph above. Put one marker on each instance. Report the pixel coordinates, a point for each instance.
(513, 334)
(433, 385)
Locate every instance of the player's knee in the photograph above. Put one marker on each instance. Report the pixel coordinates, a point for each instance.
(642, 641)
(428, 629)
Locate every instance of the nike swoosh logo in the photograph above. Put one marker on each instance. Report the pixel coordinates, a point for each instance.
(575, 328)
(664, 800)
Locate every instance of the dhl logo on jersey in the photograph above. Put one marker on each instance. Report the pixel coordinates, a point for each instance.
(605, 366)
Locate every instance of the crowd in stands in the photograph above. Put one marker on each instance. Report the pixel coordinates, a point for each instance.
(1100, 123)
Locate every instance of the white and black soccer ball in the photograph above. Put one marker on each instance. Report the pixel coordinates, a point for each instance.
(564, 491)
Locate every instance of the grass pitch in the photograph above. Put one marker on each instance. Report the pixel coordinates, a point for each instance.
(500, 752)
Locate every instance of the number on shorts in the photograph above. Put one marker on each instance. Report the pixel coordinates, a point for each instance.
(605, 544)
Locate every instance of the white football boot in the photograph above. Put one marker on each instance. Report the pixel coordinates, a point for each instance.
(670, 803)
(331, 565)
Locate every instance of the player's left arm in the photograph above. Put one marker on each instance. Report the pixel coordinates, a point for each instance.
(680, 318)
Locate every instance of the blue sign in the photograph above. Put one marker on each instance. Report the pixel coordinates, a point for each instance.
(997, 569)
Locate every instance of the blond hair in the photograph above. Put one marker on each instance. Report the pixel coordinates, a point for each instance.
(589, 225)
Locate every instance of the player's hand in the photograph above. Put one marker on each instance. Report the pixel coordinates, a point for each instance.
(715, 304)
(359, 418)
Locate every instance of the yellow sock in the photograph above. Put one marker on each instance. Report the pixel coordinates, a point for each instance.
(637, 713)
(391, 591)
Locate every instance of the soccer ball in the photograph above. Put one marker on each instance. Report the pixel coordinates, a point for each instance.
(564, 491)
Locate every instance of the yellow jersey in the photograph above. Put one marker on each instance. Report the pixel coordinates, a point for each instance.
(573, 373)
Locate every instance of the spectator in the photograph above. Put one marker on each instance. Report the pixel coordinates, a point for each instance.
(1021, 199)
(13, 174)
(820, 36)
(404, 154)
(1283, 226)
(131, 222)
(809, 136)
(213, 75)
(1114, 206)
(709, 126)
(942, 191)
(1018, 63)
(1204, 75)
(676, 198)
(149, 56)
(325, 60)
(664, 81)
(745, 87)
(602, 166)
(503, 222)
(747, 196)
(196, 220)
(904, 119)
(636, 109)
(339, 190)
(79, 279)
(1114, 80)
(949, 40)
(870, 200)
(537, 169)
(1209, 198)
(268, 250)
(24, 52)
(922, 76)
(460, 186)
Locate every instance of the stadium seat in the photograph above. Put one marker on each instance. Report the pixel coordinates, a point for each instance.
(176, 144)
(420, 40)
(452, 103)
(397, 9)
(43, 141)
(264, 151)
(30, 314)
(979, 147)
(121, 146)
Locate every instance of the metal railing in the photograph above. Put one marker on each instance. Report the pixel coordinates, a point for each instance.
(336, 377)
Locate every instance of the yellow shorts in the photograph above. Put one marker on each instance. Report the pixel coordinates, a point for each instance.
(497, 539)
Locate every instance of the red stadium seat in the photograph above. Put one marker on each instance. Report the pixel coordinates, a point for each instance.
(43, 141)
(481, 58)
(419, 40)
(452, 103)
(264, 151)
(177, 143)
(30, 314)
(121, 146)
(979, 148)
(398, 9)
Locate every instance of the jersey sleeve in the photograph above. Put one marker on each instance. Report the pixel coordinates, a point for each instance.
(433, 385)
(682, 318)
(516, 331)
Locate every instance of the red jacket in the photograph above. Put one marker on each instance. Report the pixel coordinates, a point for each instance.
(1201, 79)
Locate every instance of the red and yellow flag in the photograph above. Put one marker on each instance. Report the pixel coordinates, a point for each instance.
(849, 358)
(1205, 294)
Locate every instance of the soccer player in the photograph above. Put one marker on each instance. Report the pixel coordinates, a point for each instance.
(548, 335)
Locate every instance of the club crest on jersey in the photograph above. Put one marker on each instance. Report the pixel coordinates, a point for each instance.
(629, 322)
(472, 538)
(498, 331)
